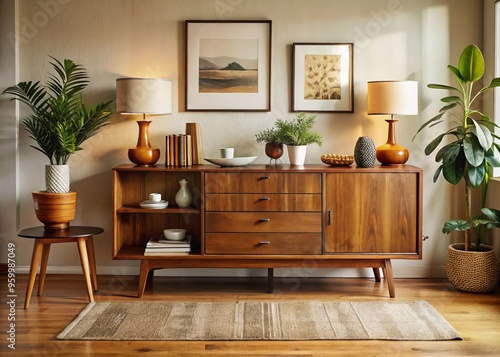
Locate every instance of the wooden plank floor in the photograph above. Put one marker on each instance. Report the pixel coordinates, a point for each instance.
(475, 316)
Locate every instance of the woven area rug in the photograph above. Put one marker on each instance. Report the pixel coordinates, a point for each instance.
(259, 320)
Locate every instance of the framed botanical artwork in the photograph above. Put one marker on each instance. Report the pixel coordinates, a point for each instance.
(228, 65)
(322, 77)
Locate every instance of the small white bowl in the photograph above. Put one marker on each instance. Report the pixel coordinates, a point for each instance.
(175, 233)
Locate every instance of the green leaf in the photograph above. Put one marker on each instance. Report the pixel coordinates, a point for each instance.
(491, 159)
(428, 122)
(483, 135)
(456, 225)
(453, 172)
(492, 213)
(448, 107)
(441, 86)
(451, 98)
(495, 82)
(433, 144)
(490, 218)
(476, 175)
(437, 173)
(471, 64)
(458, 76)
(473, 151)
(448, 153)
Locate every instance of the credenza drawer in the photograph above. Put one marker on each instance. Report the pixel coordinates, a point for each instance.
(257, 182)
(256, 243)
(262, 222)
(310, 202)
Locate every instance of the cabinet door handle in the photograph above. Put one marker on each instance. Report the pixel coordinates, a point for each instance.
(329, 217)
(265, 242)
(264, 198)
(265, 220)
(265, 178)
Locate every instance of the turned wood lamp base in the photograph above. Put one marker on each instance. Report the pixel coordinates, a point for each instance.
(391, 153)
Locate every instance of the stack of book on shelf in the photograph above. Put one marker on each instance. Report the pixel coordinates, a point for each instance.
(184, 149)
(179, 150)
(158, 245)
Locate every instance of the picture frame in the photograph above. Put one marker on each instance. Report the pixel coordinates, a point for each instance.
(322, 79)
(228, 65)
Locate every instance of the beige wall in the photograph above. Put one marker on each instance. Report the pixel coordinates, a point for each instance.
(8, 131)
(394, 39)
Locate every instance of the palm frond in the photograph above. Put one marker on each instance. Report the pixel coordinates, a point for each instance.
(60, 122)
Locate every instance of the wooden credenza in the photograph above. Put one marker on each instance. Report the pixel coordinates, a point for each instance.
(269, 217)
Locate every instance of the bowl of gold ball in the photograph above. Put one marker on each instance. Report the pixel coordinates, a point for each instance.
(337, 160)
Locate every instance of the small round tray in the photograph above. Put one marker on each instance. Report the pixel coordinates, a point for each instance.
(337, 160)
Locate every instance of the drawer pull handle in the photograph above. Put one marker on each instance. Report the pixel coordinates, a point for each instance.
(264, 242)
(265, 220)
(264, 198)
(265, 178)
(329, 216)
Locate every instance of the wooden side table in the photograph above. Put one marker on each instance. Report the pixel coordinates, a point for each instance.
(82, 235)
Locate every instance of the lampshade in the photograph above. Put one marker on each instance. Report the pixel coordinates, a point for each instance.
(143, 96)
(393, 97)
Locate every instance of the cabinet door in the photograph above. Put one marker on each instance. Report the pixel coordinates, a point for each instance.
(372, 213)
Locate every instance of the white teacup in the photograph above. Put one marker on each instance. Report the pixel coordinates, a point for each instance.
(227, 153)
(155, 197)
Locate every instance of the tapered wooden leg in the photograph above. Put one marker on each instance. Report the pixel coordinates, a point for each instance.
(82, 248)
(376, 272)
(388, 275)
(43, 268)
(149, 280)
(143, 277)
(270, 280)
(92, 266)
(35, 260)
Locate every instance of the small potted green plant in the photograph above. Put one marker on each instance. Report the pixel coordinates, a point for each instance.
(296, 134)
(59, 123)
(467, 155)
(274, 142)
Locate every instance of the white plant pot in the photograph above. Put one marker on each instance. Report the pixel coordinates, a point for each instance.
(297, 154)
(57, 178)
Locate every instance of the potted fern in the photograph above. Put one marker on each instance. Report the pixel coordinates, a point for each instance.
(296, 134)
(59, 123)
(466, 156)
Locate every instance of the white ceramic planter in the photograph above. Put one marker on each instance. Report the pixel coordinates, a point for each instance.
(297, 154)
(57, 178)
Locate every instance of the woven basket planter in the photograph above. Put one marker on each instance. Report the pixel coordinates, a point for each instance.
(472, 271)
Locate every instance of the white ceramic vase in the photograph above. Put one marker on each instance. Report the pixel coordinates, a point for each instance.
(183, 197)
(297, 154)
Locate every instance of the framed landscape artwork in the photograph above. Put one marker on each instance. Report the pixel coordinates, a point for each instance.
(322, 77)
(228, 65)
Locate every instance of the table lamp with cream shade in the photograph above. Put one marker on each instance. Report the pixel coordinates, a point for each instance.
(151, 96)
(392, 98)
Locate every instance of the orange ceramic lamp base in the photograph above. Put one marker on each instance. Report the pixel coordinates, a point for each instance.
(143, 154)
(391, 153)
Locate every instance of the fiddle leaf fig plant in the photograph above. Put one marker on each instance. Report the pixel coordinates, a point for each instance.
(469, 149)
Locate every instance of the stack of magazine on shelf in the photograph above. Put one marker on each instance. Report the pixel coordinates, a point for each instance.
(158, 245)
